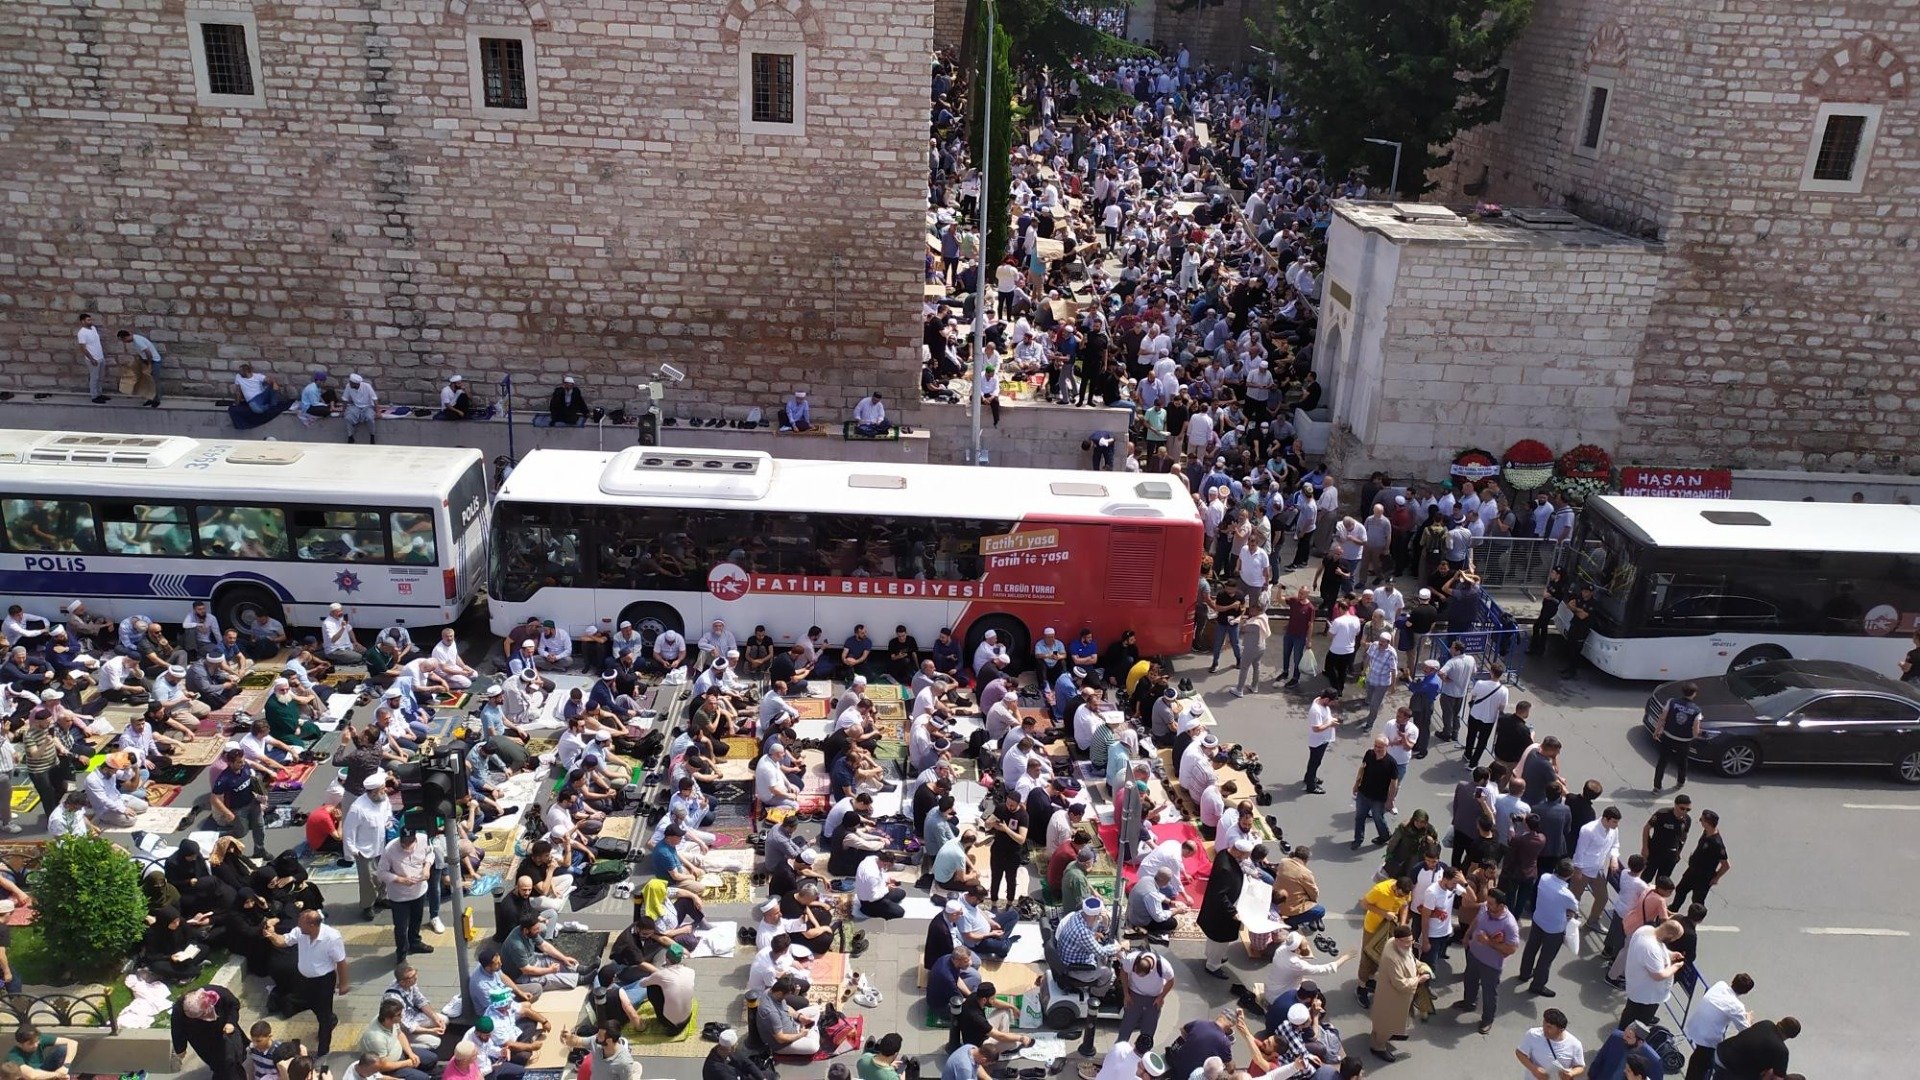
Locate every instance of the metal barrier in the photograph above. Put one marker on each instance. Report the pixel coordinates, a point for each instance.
(1515, 563)
(1494, 635)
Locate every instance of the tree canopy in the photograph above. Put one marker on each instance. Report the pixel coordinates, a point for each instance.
(1413, 71)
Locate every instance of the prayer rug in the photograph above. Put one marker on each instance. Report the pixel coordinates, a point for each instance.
(198, 752)
(810, 708)
(585, 947)
(733, 888)
(293, 777)
(162, 794)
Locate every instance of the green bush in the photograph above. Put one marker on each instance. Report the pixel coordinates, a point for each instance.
(87, 903)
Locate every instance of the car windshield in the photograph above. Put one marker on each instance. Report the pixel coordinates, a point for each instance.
(1763, 681)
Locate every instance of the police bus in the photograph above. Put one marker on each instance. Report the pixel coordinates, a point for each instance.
(147, 524)
(1692, 587)
(672, 539)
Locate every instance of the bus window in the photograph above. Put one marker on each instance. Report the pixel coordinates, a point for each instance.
(242, 532)
(339, 536)
(412, 537)
(57, 525)
(147, 529)
(536, 547)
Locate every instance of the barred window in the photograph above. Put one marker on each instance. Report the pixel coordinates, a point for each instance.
(503, 73)
(773, 88)
(229, 69)
(1839, 146)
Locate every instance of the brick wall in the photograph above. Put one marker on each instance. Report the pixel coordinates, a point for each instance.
(1784, 331)
(364, 217)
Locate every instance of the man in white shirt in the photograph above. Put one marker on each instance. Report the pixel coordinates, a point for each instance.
(363, 833)
(1197, 766)
(1402, 733)
(256, 392)
(1486, 700)
(990, 653)
(874, 890)
(1713, 1016)
(669, 651)
(1389, 601)
(1596, 854)
(337, 641)
(93, 356)
(69, 818)
(1549, 1052)
(147, 355)
(1321, 722)
(321, 960)
(870, 416)
(446, 652)
(1631, 890)
(770, 782)
(1343, 639)
(1168, 855)
(716, 643)
(775, 709)
(1256, 571)
(1650, 969)
(1435, 905)
(360, 398)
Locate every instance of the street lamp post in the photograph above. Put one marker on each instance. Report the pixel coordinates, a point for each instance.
(984, 206)
(1394, 187)
(1266, 120)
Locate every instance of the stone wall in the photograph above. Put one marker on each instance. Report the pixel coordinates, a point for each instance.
(1784, 334)
(1214, 33)
(1030, 435)
(364, 215)
(949, 23)
(1478, 336)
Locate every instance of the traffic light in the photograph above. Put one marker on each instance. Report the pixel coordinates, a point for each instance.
(442, 784)
(650, 427)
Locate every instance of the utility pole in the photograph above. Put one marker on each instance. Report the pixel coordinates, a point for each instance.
(1393, 187)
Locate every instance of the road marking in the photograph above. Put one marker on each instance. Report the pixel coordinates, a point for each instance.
(1877, 806)
(1855, 931)
(1717, 929)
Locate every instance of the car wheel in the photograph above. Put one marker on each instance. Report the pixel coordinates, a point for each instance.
(1908, 767)
(1758, 654)
(1738, 758)
(650, 620)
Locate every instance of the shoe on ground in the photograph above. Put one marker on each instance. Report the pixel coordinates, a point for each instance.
(573, 926)
(11, 827)
(1355, 846)
(1544, 991)
(1237, 692)
(1617, 984)
(1218, 973)
(367, 913)
(1463, 1005)
(437, 926)
(1485, 1028)
(419, 947)
(1386, 1055)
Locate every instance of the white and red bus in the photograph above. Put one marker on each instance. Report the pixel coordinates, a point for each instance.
(673, 539)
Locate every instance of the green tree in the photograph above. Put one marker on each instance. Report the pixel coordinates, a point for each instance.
(1413, 71)
(1045, 34)
(87, 902)
(994, 93)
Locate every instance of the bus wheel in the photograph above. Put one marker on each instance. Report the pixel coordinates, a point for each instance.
(650, 620)
(1907, 769)
(251, 601)
(1010, 632)
(1738, 758)
(1759, 654)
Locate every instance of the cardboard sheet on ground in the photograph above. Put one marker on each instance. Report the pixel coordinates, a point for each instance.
(1028, 948)
(1010, 978)
(811, 729)
(1255, 907)
(721, 940)
(1048, 248)
(920, 907)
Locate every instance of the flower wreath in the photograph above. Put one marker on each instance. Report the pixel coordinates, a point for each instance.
(1527, 464)
(1585, 462)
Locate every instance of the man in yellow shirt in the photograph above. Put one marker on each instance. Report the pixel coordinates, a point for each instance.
(1385, 903)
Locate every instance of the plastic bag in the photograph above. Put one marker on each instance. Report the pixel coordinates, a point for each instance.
(1575, 928)
(1309, 664)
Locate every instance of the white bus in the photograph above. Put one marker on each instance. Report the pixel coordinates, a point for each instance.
(146, 524)
(1694, 587)
(676, 538)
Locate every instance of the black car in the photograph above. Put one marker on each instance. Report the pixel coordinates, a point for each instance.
(1802, 712)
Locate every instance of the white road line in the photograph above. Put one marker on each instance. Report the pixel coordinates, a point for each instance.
(1854, 931)
(1877, 806)
(1704, 929)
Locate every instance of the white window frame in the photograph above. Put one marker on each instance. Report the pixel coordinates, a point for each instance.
(1587, 87)
(476, 72)
(197, 49)
(1862, 158)
(796, 49)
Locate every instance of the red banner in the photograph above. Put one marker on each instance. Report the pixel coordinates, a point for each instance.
(1676, 483)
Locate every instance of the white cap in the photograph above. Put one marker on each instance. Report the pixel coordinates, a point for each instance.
(800, 394)
(626, 626)
(770, 905)
(177, 671)
(335, 606)
(800, 952)
(231, 747)
(604, 736)
(728, 1038)
(282, 684)
(1299, 1014)
(955, 907)
(1426, 594)
(1399, 500)
(991, 636)
(1388, 636)
(51, 695)
(1431, 665)
(1048, 632)
(859, 680)
(1243, 844)
(375, 782)
(392, 694)
(496, 690)
(568, 380)
(456, 378)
